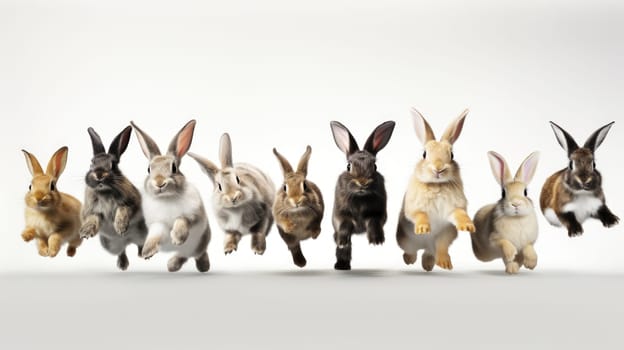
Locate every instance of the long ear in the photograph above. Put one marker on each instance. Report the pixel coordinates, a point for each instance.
(499, 167)
(343, 138)
(96, 142)
(206, 166)
(423, 129)
(565, 140)
(595, 140)
(225, 151)
(120, 143)
(56, 165)
(452, 132)
(302, 167)
(149, 147)
(527, 168)
(284, 164)
(379, 138)
(181, 142)
(33, 164)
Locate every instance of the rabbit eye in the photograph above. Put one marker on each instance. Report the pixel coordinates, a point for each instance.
(30, 187)
(452, 156)
(148, 170)
(305, 187)
(571, 165)
(285, 188)
(238, 180)
(174, 168)
(375, 167)
(594, 165)
(526, 193)
(220, 188)
(348, 166)
(52, 186)
(424, 154)
(503, 193)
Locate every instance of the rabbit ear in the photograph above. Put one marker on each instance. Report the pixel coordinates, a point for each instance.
(182, 141)
(499, 167)
(206, 166)
(33, 164)
(343, 138)
(284, 164)
(379, 138)
(302, 167)
(120, 143)
(56, 165)
(527, 168)
(423, 129)
(148, 146)
(225, 151)
(96, 142)
(452, 131)
(595, 140)
(565, 140)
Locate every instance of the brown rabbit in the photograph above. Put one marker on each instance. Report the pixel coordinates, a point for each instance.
(298, 207)
(52, 217)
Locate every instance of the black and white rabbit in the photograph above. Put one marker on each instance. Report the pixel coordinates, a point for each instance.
(112, 205)
(174, 211)
(360, 196)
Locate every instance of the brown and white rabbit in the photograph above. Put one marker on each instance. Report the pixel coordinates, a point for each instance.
(434, 206)
(52, 217)
(508, 229)
(173, 209)
(574, 194)
(242, 198)
(298, 208)
(112, 205)
(360, 196)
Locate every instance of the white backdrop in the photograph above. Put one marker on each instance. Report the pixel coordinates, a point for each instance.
(274, 73)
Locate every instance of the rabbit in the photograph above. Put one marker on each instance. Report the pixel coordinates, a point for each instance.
(298, 208)
(52, 217)
(360, 195)
(508, 229)
(434, 206)
(242, 198)
(574, 194)
(173, 209)
(112, 205)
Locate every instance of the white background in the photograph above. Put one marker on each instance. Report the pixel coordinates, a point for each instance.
(274, 73)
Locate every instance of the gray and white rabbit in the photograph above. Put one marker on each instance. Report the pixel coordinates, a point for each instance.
(360, 197)
(242, 198)
(112, 205)
(174, 211)
(508, 228)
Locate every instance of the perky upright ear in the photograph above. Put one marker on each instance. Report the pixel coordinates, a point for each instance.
(225, 151)
(284, 164)
(343, 138)
(302, 167)
(148, 146)
(595, 140)
(527, 168)
(181, 142)
(379, 138)
(565, 140)
(499, 167)
(33, 164)
(96, 142)
(120, 142)
(422, 127)
(56, 165)
(206, 166)
(452, 132)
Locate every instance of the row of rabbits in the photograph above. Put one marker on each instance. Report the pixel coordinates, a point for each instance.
(170, 215)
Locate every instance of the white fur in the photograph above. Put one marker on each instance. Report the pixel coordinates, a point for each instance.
(552, 218)
(160, 214)
(583, 206)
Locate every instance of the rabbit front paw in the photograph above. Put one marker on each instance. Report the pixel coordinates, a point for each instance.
(422, 229)
(512, 268)
(28, 234)
(150, 248)
(88, 230)
(121, 222)
(180, 232)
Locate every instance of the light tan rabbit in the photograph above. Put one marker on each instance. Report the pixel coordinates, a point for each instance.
(508, 229)
(52, 217)
(434, 206)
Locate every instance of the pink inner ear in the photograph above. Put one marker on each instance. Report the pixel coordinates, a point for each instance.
(57, 164)
(501, 165)
(377, 140)
(184, 142)
(526, 169)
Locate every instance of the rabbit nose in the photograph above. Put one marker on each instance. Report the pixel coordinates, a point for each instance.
(236, 196)
(515, 205)
(363, 182)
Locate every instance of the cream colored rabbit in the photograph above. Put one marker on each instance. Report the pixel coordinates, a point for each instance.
(508, 229)
(434, 206)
